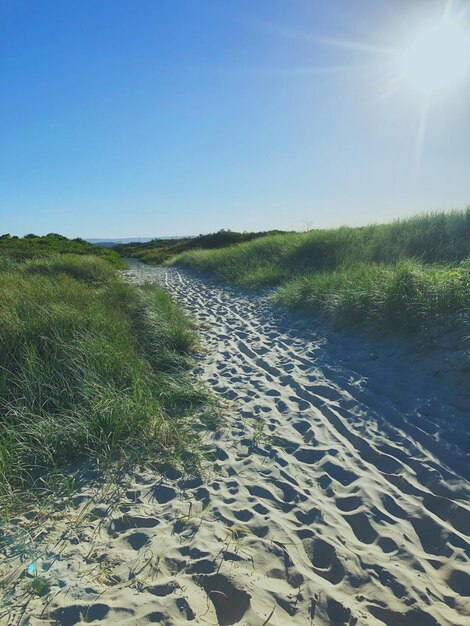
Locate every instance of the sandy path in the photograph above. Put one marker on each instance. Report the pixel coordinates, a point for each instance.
(329, 502)
(347, 513)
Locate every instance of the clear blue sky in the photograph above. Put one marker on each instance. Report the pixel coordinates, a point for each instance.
(157, 117)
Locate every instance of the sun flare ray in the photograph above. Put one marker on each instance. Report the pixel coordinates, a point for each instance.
(437, 57)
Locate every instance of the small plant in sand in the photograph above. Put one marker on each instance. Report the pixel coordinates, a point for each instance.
(259, 432)
(233, 542)
(193, 517)
(148, 562)
(39, 586)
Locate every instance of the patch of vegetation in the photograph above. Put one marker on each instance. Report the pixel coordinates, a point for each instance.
(90, 368)
(158, 251)
(399, 296)
(86, 268)
(32, 246)
(398, 274)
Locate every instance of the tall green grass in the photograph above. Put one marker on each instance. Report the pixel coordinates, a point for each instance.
(399, 296)
(408, 270)
(158, 251)
(33, 246)
(89, 367)
(86, 268)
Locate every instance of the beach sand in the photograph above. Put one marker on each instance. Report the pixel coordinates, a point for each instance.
(335, 496)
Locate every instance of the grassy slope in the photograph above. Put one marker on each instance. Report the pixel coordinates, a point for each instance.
(160, 250)
(32, 246)
(89, 367)
(398, 273)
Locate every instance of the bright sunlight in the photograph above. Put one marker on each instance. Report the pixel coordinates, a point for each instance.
(438, 57)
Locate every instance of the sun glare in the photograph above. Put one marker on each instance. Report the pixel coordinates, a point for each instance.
(437, 57)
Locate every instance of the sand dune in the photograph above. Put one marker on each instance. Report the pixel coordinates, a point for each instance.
(334, 497)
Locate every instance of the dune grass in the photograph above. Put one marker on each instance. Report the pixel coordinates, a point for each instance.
(398, 274)
(90, 368)
(33, 246)
(86, 268)
(401, 295)
(158, 251)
